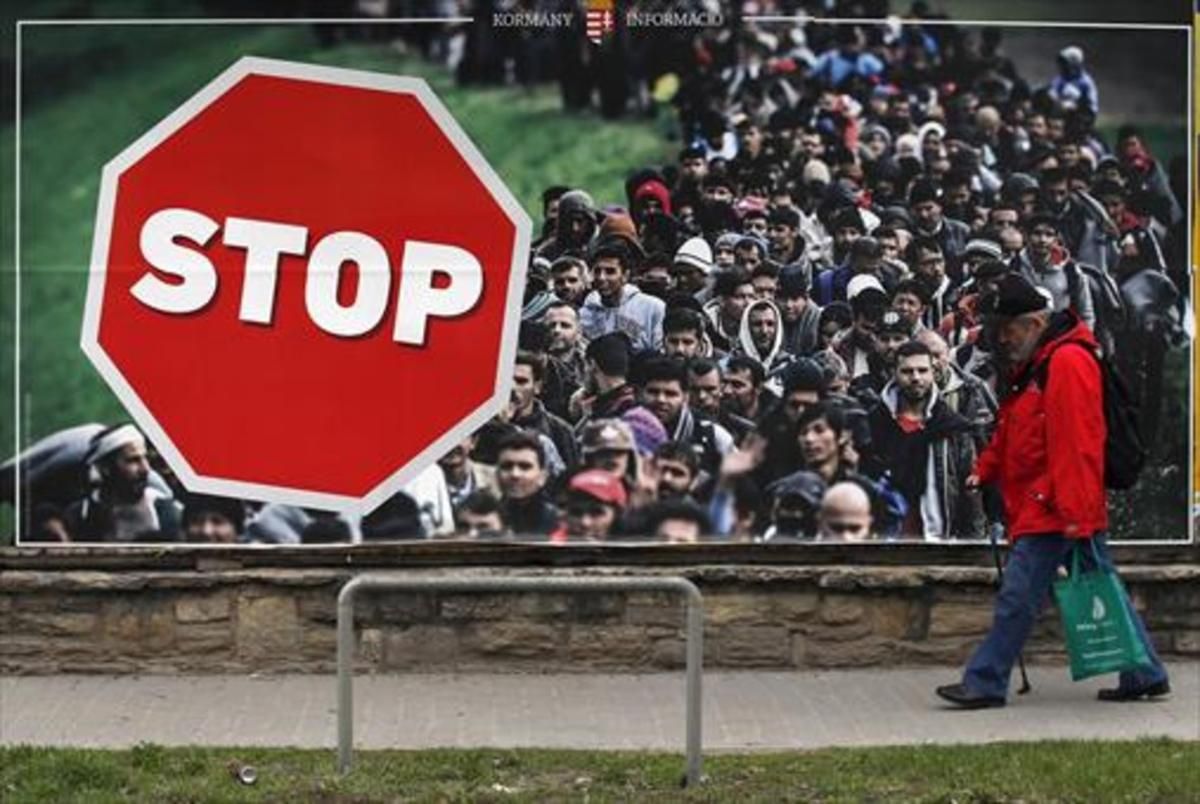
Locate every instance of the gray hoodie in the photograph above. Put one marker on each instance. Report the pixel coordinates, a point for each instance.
(639, 315)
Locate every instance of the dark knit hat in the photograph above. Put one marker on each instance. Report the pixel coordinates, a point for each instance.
(794, 281)
(804, 374)
(803, 484)
(924, 190)
(611, 353)
(1014, 295)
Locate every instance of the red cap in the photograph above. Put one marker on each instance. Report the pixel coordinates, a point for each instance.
(600, 485)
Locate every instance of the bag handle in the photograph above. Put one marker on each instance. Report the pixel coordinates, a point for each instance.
(1076, 570)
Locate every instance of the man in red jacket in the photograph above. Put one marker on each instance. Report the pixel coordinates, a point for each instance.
(1047, 458)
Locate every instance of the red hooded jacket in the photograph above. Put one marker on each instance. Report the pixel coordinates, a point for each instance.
(1047, 453)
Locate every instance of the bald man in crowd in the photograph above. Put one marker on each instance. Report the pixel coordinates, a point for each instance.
(845, 513)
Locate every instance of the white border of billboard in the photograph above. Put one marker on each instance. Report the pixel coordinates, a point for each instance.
(524, 228)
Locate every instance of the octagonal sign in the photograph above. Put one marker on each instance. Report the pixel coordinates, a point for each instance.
(306, 284)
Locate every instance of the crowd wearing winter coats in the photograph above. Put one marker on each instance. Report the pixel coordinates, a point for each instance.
(777, 336)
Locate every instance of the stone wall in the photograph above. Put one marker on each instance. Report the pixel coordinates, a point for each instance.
(226, 620)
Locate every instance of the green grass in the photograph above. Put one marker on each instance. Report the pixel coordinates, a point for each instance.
(1152, 770)
(67, 139)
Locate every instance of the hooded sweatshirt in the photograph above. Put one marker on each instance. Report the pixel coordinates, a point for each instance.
(802, 336)
(638, 315)
(773, 360)
(1055, 277)
(572, 204)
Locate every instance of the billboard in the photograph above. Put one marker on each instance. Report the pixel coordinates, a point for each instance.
(607, 273)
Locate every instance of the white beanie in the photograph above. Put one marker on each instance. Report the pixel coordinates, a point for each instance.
(697, 253)
(816, 170)
(860, 283)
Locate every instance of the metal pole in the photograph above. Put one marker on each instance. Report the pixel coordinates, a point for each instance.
(345, 675)
(462, 584)
(695, 661)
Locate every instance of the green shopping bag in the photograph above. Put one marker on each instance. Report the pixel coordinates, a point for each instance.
(1101, 637)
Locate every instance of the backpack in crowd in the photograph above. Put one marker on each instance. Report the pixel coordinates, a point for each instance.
(1124, 449)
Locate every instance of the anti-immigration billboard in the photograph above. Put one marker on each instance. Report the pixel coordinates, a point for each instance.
(280, 286)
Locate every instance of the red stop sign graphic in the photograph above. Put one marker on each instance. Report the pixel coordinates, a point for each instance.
(306, 284)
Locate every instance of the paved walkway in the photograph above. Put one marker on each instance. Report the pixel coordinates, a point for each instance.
(743, 711)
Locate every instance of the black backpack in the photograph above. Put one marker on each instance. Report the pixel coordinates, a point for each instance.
(1124, 450)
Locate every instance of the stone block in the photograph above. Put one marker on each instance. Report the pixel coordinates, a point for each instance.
(55, 623)
(320, 645)
(799, 650)
(538, 606)
(61, 603)
(202, 638)
(51, 649)
(420, 646)
(319, 605)
(515, 638)
(475, 607)
(840, 609)
(609, 646)
(745, 609)
(792, 607)
(141, 625)
(268, 627)
(122, 624)
(370, 647)
(203, 608)
(657, 608)
(668, 653)
(894, 617)
(849, 632)
(753, 646)
(960, 619)
(158, 630)
(598, 607)
(23, 645)
(399, 609)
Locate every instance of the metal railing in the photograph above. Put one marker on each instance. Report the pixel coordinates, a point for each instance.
(459, 585)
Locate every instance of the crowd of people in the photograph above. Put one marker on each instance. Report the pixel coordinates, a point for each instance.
(779, 336)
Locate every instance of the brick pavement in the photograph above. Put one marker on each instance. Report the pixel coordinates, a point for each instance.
(743, 710)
